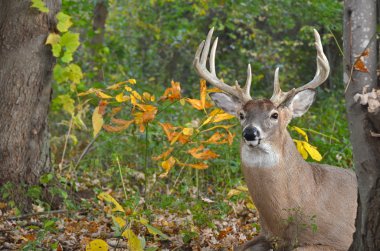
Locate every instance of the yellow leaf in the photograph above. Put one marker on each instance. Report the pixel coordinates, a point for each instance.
(91, 90)
(182, 101)
(251, 206)
(233, 192)
(188, 131)
(121, 98)
(116, 86)
(197, 104)
(148, 97)
(136, 95)
(134, 243)
(168, 164)
(226, 127)
(132, 81)
(101, 94)
(301, 149)
(108, 198)
(312, 150)
(242, 188)
(97, 245)
(127, 88)
(53, 38)
(217, 115)
(119, 221)
(301, 132)
(97, 121)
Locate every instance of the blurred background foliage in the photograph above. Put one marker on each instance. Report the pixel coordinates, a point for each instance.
(154, 42)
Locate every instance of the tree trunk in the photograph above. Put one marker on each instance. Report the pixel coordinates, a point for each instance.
(26, 65)
(359, 34)
(98, 25)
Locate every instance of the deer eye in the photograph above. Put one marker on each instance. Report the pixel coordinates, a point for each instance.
(241, 116)
(274, 116)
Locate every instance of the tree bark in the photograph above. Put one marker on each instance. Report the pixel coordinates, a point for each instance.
(360, 34)
(26, 65)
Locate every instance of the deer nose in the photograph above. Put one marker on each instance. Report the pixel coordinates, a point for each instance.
(251, 134)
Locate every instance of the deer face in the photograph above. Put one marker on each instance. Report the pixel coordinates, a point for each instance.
(261, 120)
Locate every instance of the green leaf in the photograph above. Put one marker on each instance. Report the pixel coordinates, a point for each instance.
(40, 5)
(70, 41)
(56, 49)
(46, 178)
(67, 57)
(64, 22)
(152, 230)
(75, 73)
(34, 192)
(66, 102)
(60, 74)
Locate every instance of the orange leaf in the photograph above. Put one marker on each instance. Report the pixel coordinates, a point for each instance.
(121, 121)
(360, 66)
(168, 129)
(172, 93)
(164, 155)
(217, 138)
(115, 110)
(203, 92)
(110, 128)
(102, 107)
(199, 154)
(199, 166)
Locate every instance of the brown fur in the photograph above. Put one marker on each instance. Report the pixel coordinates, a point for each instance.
(298, 189)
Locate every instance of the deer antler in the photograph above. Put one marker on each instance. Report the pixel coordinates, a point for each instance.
(200, 60)
(322, 73)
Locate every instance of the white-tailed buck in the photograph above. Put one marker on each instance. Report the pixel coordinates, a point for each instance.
(303, 205)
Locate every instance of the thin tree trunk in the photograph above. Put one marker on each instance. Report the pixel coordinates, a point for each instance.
(26, 65)
(359, 34)
(98, 25)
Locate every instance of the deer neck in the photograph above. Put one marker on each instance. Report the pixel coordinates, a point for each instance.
(276, 176)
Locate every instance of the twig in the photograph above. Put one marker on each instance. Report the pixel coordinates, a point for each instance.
(25, 216)
(86, 150)
(65, 146)
(357, 59)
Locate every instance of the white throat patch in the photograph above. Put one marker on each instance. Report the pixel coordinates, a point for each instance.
(262, 156)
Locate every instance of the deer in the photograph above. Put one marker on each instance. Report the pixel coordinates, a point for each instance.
(280, 182)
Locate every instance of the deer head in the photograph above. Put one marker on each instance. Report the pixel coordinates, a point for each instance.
(262, 121)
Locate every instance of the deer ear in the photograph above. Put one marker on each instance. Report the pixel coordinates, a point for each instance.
(301, 102)
(226, 102)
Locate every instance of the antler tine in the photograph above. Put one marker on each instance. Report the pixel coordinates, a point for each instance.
(247, 86)
(323, 67)
(322, 73)
(212, 56)
(200, 60)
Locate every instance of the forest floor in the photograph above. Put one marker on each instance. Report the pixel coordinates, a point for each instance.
(192, 224)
